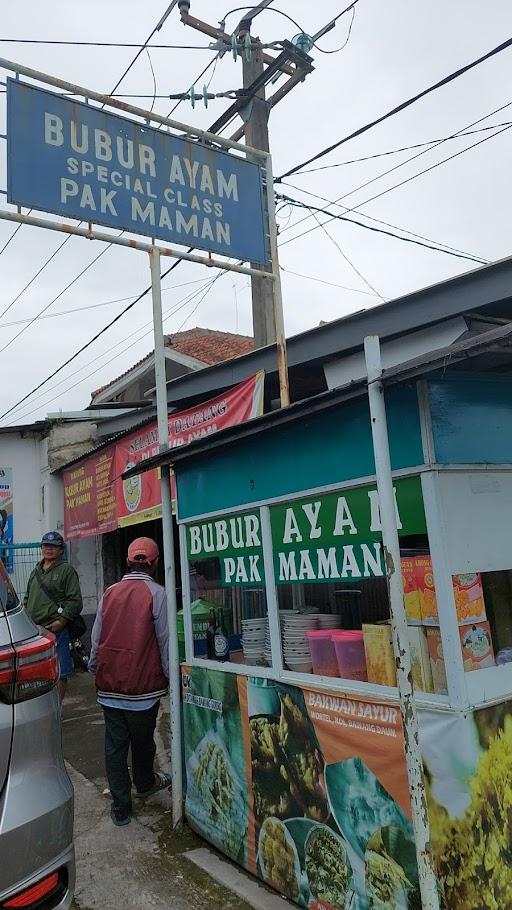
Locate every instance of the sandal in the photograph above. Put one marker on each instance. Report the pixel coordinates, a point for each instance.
(162, 782)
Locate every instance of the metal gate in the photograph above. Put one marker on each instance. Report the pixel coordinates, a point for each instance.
(19, 560)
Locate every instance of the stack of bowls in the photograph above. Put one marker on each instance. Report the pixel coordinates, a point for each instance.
(253, 639)
(267, 652)
(296, 653)
(329, 621)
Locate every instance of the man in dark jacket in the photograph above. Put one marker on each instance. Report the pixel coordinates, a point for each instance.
(129, 655)
(53, 599)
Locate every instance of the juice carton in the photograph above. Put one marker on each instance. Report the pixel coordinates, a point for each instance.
(411, 593)
(426, 590)
(380, 659)
(435, 650)
(469, 598)
(420, 659)
(477, 649)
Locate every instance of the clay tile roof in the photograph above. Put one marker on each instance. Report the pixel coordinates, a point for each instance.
(210, 346)
(206, 345)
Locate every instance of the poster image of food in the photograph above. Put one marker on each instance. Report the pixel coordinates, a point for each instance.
(468, 770)
(217, 789)
(331, 811)
(6, 517)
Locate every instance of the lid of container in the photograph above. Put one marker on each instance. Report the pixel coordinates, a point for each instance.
(200, 606)
(318, 633)
(346, 634)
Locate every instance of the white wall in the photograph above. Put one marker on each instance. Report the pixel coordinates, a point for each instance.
(85, 556)
(23, 455)
(477, 515)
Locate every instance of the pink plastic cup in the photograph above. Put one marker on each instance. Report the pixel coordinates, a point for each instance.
(350, 656)
(322, 651)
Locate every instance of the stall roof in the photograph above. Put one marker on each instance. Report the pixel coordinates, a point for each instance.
(486, 291)
(497, 341)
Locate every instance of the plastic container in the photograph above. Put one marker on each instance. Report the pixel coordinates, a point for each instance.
(350, 655)
(322, 651)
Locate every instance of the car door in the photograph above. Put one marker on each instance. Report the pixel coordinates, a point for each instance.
(8, 602)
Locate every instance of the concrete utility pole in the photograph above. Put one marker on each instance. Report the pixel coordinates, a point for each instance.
(259, 69)
(256, 135)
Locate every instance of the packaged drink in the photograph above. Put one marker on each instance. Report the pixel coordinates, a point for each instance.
(221, 640)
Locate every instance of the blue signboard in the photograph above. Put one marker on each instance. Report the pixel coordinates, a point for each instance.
(72, 159)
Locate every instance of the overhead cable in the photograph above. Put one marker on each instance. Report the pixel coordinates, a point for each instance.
(403, 148)
(167, 315)
(400, 107)
(443, 247)
(369, 227)
(396, 167)
(345, 257)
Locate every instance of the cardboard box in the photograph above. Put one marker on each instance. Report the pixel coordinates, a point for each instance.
(420, 659)
(435, 650)
(380, 659)
(469, 598)
(426, 590)
(477, 649)
(411, 593)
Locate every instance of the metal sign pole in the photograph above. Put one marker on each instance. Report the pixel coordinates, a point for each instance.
(391, 548)
(282, 357)
(168, 541)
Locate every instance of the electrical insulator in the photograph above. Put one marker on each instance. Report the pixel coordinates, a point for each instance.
(205, 95)
(248, 46)
(234, 47)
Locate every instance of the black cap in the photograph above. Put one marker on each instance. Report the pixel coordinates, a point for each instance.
(53, 538)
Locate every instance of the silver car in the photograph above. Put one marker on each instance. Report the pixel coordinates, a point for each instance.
(37, 862)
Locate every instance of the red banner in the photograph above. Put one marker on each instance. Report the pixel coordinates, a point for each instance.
(89, 500)
(138, 498)
(97, 500)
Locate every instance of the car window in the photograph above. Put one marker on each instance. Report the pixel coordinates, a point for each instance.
(12, 597)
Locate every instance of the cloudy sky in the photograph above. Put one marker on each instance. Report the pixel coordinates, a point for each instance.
(395, 50)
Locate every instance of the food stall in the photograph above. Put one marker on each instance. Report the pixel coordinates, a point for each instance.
(293, 739)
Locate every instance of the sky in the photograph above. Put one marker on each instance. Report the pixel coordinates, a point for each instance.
(395, 49)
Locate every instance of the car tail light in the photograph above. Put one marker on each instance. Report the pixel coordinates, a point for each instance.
(31, 897)
(29, 668)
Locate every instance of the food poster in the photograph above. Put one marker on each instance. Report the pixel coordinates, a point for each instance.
(468, 772)
(6, 518)
(331, 810)
(216, 764)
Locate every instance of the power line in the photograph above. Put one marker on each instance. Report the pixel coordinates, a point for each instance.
(345, 257)
(165, 47)
(404, 148)
(401, 164)
(402, 183)
(93, 306)
(336, 50)
(369, 227)
(156, 29)
(431, 244)
(401, 107)
(63, 291)
(34, 277)
(167, 315)
(329, 283)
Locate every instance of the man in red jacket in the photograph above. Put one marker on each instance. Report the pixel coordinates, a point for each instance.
(129, 655)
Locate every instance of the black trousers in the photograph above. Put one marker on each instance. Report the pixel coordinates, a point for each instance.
(125, 729)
